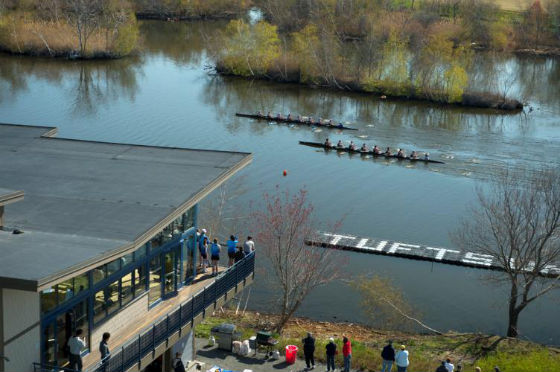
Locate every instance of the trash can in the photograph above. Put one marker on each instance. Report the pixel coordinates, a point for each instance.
(291, 353)
(225, 334)
(253, 342)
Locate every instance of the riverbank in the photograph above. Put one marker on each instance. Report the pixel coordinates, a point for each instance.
(468, 99)
(426, 350)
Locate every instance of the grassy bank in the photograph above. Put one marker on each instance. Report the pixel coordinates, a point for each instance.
(426, 351)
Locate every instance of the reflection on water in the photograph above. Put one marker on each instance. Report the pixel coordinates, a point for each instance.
(166, 97)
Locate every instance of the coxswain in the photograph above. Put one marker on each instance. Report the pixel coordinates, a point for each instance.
(364, 148)
(388, 151)
(328, 143)
(401, 154)
(352, 147)
(427, 156)
(339, 144)
(376, 150)
(413, 155)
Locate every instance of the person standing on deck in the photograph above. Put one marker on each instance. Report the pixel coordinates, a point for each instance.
(203, 248)
(76, 345)
(347, 353)
(104, 347)
(309, 350)
(388, 356)
(215, 252)
(231, 248)
(249, 245)
(239, 255)
(402, 359)
(331, 352)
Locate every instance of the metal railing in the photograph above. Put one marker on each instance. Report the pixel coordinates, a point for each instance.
(148, 339)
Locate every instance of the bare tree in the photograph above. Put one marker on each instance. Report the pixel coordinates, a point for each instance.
(84, 16)
(518, 224)
(282, 227)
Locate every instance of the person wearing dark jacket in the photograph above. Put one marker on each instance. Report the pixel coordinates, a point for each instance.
(331, 352)
(308, 350)
(388, 356)
(442, 367)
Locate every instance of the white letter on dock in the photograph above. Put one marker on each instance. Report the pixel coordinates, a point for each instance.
(402, 247)
(478, 259)
(362, 244)
(441, 252)
(336, 238)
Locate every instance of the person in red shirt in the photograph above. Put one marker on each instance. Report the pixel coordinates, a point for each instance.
(347, 353)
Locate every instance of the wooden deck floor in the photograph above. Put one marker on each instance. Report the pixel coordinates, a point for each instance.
(126, 334)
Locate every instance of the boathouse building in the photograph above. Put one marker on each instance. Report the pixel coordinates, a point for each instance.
(102, 237)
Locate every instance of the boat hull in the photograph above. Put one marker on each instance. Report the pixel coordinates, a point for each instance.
(294, 121)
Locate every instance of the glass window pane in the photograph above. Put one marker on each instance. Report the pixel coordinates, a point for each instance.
(126, 289)
(48, 299)
(99, 273)
(112, 297)
(49, 342)
(140, 253)
(81, 283)
(65, 290)
(139, 281)
(99, 307)
(127, 259)
(113, 267)
(155, 280)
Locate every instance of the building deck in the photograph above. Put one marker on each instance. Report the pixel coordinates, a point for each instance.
(118, 339)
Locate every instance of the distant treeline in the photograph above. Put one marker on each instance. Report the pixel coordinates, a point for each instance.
(421, 50)
(94, 28)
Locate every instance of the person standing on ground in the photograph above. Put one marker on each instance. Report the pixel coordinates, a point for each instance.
(231, 248)
(331, 352)
(309, 350)
(239, 255)
(388, 355)
(104, 347)
(401, 359)
(76, 345)
(249, 245)
(442, 367)
(215, 252)
(450, 367)
(347, 353)
(178, 365)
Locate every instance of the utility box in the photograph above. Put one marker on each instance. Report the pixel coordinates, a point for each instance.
(225, 334)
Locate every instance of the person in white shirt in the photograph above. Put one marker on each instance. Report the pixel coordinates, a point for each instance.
(401, 359)
(450, 367)
(76, 344)
(249, 245)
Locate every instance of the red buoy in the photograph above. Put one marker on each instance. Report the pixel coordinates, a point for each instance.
(285, 173)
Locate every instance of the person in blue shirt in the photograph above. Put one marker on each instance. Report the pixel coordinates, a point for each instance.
(215, 253)
(231, 249)
(203, 249)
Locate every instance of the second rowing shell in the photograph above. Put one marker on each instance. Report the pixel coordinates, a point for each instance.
(346, 149)
(293, 121)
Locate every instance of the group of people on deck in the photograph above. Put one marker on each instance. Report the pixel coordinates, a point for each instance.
(235, 253)
(300, 119)
(401, 154)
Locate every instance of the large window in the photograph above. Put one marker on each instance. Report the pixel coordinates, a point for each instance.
(62, 292)
(155, 280)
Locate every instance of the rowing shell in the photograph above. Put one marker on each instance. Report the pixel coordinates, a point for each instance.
(293, 121)
(382, 155)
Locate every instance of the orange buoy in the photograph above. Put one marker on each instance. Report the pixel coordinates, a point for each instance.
(285, 173)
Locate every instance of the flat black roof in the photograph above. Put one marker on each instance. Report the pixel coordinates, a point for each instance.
(89, 202)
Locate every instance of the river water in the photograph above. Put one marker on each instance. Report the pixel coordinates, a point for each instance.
(165, 96)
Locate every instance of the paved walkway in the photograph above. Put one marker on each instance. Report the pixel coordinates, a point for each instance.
(214, 356)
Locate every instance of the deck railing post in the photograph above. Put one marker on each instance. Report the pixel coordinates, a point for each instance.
(153, 337)
(139, 349)
(122, 359)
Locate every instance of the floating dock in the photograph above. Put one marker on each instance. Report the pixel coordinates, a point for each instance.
(415, 252)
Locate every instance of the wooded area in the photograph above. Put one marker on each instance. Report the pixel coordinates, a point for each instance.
(393, 48)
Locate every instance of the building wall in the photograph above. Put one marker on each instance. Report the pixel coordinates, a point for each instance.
(122, 319)
(21, 329)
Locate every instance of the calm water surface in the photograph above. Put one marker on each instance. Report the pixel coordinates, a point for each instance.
(166, 97)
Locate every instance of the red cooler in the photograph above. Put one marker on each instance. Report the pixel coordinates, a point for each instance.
(291, 354)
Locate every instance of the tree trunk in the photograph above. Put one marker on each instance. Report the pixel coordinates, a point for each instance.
(513, 313)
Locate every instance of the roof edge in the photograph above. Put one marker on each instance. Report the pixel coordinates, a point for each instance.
(11, 197)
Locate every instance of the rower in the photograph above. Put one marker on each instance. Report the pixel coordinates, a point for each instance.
(311, 120)
(352, 147)
(413, 155)
(328, 143)
(340, 125)
(364, 148)
(339, 144)
(299, 118)
(320, 121)
(269, 115)
(376, 150)
(427, 156)
(401, 154)
(289, 117)
(259, 113)
(388, 151)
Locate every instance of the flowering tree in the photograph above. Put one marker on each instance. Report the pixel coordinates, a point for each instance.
(282, 227)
